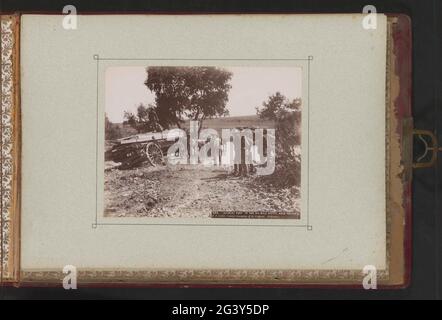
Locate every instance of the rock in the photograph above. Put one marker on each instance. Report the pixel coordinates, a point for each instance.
(150, 202)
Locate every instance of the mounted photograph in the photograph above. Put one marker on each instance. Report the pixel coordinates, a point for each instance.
(203, 142)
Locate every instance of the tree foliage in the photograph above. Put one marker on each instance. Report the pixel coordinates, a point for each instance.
(145, 120)
(111, 130)
(196, 93)
(287, 117)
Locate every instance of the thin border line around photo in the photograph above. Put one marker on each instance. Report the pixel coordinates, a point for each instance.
(96, 223)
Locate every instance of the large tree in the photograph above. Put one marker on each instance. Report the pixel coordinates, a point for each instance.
(195, 93)
(287, 116)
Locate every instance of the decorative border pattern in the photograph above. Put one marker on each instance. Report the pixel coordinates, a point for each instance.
(6, 158)
(195, 276)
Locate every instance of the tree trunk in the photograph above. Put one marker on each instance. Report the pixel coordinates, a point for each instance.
(200, 125)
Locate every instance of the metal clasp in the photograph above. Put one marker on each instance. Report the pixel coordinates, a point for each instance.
(430, 145)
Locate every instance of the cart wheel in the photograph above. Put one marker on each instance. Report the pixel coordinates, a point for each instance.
(154, 154)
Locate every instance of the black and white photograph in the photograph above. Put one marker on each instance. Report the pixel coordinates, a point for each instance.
(203, 142)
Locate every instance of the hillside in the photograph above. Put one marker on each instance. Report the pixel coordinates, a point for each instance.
(251, 121)
(236, 122)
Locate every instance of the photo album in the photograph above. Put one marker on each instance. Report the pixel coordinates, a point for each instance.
(256, 150)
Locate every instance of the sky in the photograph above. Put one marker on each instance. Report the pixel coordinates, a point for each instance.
(251, 86)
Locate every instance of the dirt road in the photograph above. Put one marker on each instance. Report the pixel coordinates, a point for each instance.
(185, 191)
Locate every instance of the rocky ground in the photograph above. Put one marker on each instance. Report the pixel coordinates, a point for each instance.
(185, 191)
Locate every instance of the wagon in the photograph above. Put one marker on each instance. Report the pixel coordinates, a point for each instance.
(136, 150)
